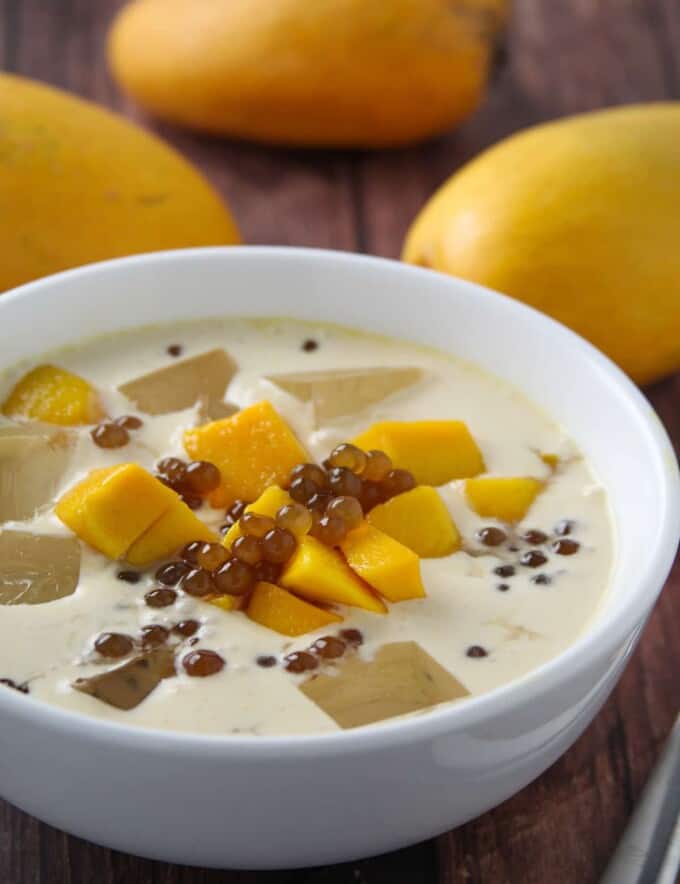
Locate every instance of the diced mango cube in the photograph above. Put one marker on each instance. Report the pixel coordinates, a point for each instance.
(551, 460)
(54, 395)
(113, 507)
(434, 451)
(385, 564)
(420, 520)
(320, 573)
(254, 448)
(506, 499)
(283, 612)
(175, 528)
(267, 504)
(226, 602)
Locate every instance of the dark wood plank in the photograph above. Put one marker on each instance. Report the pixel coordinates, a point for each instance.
(564, 57)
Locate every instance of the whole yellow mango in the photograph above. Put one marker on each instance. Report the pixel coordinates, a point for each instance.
(578, 218)
(79, 184)
(308, 72)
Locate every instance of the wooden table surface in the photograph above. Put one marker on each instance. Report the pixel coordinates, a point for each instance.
(564, 56)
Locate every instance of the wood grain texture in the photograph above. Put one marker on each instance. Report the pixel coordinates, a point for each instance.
(564, 57)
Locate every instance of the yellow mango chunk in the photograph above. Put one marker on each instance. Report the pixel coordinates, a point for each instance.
(175, 528)
(267, 504)
(434, 451)
(225, 602)
(505, 499)
(420, 520)
(55, 396)
(385, 564)
(320, 573)
(254, 448)
(551, 460)
(283, 612)
(113, 507)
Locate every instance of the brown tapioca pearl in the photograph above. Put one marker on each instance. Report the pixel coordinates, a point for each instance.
(503, 587)
(566, 547)
(311, 471)
(113, 644)
(161, 597)
(266, 572)
(224, 528)
(173, 468)
(190, 552)
(347, 509)
(193, 501)
(344, 483)
(278, 545)
(476, 651)
(533, 559)
(266, 661)
(300, 661)
(200, 664)
(296, 518)
(110, 435)
(171, 573)
(534, 537)
(211, 556)
(154, 635)
(377, 466)
(504, 571)
(198, 583)
(302, 490)
(371, 495)
(174, 350)
(397, 482)
(513, 548)
(129, 576)
(348, 456)
(491, 536)
(236, 510)
(329, 647)
(202, 477)
(129, 422)
(564, 527)
(309, 345)
(352, 636)
(541, 579)
(319, 502)
(186, 628)
(235, 578)
(255, 525)
(247, 549)
(329, 530)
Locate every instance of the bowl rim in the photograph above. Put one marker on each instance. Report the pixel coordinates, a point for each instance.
(600, 640)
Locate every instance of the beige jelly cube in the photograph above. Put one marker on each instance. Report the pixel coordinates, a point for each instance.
(37, 568)
(126, 686)
(401, 678)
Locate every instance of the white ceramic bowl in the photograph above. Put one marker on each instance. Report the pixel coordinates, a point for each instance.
(292, 801)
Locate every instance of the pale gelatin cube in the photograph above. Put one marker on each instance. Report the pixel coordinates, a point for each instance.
(37, 568)
(401, 678)
(345, 391)
(203, 379)
(126, 686)
(33, 459)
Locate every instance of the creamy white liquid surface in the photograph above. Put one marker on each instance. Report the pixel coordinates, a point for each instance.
(50, 645)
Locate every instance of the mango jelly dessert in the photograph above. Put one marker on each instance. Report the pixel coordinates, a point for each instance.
(420, 520)
(253, 449)
(506, 499)
(55, 396)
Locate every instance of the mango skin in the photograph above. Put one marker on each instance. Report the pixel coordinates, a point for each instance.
(79, 184)
(308, 72)
(578, 218)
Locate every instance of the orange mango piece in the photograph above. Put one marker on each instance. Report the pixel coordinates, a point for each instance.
(175, 528)
(225, 602)
(267, 504)
(435, 452)
(320, 574)
(385, 564)
(505, 499)
(113, 507)
(55, 396)
(283, 612)
(254, 448)
(420, 520)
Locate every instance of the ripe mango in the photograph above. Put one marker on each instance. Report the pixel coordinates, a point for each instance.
(173, 530)
(54, 396)
(385, 564)
(308, 72)
(283, 612)
(506, 499)
(420, 520)
(578, 218)
(80, 184)
(254, 448)
(434, 451)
